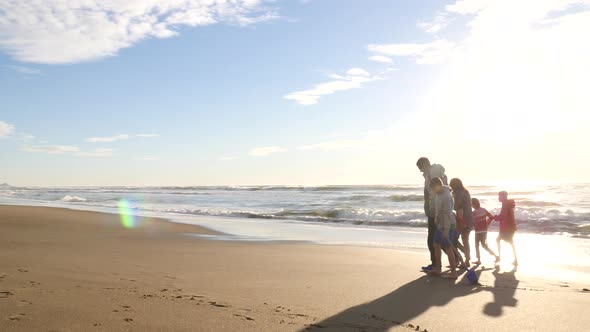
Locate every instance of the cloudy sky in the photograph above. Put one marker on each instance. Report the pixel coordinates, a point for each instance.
(199, 92)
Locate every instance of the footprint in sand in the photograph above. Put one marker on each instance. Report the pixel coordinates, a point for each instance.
(244, 317)
(24, 303)
(215, 304)
(17, 317)
(22, 270)
(128, 319)
(5, 294)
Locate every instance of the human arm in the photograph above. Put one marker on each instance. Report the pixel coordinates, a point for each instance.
(462, 203)
(445, 212)
(490, 217)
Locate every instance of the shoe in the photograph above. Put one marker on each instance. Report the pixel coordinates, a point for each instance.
(428, 268)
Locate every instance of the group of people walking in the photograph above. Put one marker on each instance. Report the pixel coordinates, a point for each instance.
(452, 215)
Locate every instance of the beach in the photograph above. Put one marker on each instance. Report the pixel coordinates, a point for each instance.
(67, 270)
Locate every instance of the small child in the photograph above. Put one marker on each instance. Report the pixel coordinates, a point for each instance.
(507, 223)
(481, 223)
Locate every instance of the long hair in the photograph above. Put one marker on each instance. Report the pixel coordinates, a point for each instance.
(457, 185)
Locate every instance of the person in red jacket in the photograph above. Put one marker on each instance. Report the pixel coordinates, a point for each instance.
(507, 223)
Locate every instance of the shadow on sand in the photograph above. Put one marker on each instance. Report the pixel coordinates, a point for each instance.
(504, 291)
(409, 301)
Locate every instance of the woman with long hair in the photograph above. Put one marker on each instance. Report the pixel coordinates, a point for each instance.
(464, 214)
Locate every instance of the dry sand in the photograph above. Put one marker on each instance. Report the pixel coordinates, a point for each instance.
(64, 270)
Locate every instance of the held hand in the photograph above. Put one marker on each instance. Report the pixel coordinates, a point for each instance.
(460, 223)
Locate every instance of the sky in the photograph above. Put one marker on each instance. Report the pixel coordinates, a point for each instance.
(309, 92)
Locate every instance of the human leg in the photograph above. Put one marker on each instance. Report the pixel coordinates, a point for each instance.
(430, 239)
(467, 249)
(455, 235)
(477, 243)
(450, 251)
(514, 252)
(437, 265)
(499, 248)
(484, 244)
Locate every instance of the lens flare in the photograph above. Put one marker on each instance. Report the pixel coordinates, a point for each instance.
(127, 218)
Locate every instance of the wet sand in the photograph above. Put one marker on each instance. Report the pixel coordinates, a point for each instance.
(66, 270)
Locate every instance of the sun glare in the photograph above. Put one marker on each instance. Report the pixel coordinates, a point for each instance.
(126, 213)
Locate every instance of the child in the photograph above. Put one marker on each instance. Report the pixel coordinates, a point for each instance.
(481, 223)
(444, 219)
(507, 223)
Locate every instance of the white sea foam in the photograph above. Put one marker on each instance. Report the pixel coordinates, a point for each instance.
(68, 198)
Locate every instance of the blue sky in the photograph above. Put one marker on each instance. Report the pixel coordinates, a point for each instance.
(289, 92)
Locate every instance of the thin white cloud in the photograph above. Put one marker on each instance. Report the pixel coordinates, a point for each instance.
(25, 137)
(6, 129)
(381, 58)
(100, 152)
(357, 72)
(147, 158)
(25, 70)
(502, 24)
(57, 31)
(424, 53)
(439, 22)
(229, 158)
(109, 139)
(51, 149)
(67, 150)
(354, 79)
(148, 135)
(464, 7)
(265, 151)
(334, 145)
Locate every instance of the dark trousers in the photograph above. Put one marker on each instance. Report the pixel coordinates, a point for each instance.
(431, 231)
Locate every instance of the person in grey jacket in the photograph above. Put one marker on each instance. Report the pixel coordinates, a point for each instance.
(444, 220)
(430, 171)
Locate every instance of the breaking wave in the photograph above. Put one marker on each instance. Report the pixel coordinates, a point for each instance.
(68, 198)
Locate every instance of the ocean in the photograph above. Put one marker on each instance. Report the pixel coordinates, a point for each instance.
(563, 209)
